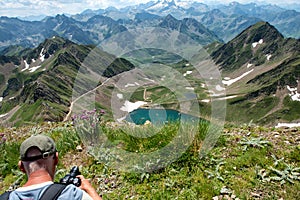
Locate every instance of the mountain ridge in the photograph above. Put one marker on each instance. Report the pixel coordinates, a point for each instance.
(225, 21)
(42, 86)
(259, 68)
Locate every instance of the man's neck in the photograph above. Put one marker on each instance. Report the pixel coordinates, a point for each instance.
(38, 177)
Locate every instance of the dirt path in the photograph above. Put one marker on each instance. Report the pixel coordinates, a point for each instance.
(72, 103)
(5, 117)
(281, 94)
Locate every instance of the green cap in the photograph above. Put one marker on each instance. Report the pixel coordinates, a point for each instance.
(44, 143)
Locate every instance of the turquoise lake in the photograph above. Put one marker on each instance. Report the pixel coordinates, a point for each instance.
(158, 116)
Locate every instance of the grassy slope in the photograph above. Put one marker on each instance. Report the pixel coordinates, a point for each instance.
(240, 162)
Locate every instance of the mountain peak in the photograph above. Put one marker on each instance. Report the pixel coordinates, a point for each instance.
(162, 5)
(48, 48)
(261, 30)
(250, 46)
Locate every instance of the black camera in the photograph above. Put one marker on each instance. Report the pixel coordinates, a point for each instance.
(71, 177)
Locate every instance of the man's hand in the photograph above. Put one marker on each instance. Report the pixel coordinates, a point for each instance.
(88, 188)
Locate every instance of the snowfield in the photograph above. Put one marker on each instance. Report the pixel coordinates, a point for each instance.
(229, 81)
(129, 106)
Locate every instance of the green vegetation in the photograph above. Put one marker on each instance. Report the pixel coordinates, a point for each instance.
(247, 162)
(245, 110)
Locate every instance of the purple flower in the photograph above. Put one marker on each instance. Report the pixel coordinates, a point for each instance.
(84, 117)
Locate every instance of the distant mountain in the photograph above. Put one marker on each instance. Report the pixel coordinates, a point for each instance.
(37, 86)
(284, 20)
(226, 26)
(190, 27)
(29, 34)
(33, 17)
(226, 21)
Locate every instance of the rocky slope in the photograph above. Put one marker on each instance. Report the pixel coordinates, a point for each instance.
(41, 81)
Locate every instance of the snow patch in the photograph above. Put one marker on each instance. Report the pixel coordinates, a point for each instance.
(120, 96)
(255, 44)
(33, 69)
(183, 4)
(42, 56)
(205, 100)
(219, 99)
(231, 81)
(26, 66)
(220, 88)
(3, 115)
(1, 99)
(290, 125)
(129, 106)
(293, 93)
(190, 88)
(268, 56)
(157, 6)
(187, 73)
(148, 79)
(129, 85)
(249, 65)
(225, 98)
(214, 94)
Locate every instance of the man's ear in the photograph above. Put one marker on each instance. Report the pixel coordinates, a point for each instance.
(56, 158)
(21, 166)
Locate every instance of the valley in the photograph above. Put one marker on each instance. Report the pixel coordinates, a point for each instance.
(168, 99)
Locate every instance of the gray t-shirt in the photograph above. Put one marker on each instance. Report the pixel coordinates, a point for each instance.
(35, 192)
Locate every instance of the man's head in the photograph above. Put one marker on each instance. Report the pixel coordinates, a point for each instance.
(44, 143)
(38, 153)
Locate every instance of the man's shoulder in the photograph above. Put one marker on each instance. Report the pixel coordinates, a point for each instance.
(73, 192)
(32, 191)
(67, 192)
(78, 193)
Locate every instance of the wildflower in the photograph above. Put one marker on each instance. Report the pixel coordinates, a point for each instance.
(4, 139)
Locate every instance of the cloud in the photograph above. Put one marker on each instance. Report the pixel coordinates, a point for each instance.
(52, 7)
(13, 8)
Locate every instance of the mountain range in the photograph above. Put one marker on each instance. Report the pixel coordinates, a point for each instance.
(94, 26)
(259, 65)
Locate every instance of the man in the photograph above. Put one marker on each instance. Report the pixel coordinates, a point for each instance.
(38, 160)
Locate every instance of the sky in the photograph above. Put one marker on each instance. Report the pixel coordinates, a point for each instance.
(22, 8)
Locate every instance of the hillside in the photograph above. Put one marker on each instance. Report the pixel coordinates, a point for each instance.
(40, 83)
(247, 162)
(259, 68)
(259, 71)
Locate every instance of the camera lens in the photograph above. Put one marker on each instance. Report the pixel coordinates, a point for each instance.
(76, 182)
(75, 171)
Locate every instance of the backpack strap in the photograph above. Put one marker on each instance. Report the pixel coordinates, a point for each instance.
(53, 191)
(5, 196)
